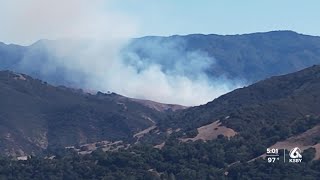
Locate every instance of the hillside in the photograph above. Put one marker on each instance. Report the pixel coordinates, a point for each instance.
(36, 116)
(273, 101)
(267, 113)
(224, 139)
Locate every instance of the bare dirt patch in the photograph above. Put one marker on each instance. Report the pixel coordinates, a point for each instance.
(20, 77)
(211, 131)
(104, 145)
(145, 131)
(304, 141)
(159, 146)
(317, 147)
(159, 106)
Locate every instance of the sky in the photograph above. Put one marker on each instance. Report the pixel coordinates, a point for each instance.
(24, 22)
(168, 17)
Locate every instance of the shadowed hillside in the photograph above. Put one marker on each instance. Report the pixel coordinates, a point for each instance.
(35, 116)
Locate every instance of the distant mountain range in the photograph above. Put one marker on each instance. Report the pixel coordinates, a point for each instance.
(248, 58)
(251, 57)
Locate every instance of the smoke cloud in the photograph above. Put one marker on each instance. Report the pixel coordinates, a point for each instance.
(95, 51)
(24, 22)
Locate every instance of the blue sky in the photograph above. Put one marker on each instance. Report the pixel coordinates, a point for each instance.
(167, 17)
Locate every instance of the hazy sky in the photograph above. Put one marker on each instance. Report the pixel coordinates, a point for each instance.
(167, 17)
(26, 21)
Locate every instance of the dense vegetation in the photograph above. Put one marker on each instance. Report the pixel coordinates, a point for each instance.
(277, 101)
(35, 116)
(197, 160)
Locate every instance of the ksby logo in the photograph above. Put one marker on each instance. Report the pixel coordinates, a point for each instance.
(295, 155)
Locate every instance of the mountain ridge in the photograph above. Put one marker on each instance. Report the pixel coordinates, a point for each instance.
(245, 58)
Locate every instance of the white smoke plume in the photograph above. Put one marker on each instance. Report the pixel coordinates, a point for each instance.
(26, 21)
(93, 52)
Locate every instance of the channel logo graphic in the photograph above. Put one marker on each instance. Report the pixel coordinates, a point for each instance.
(295, 155)
(273, 155)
